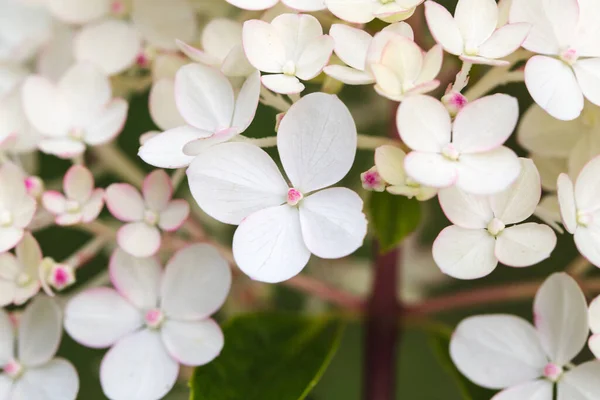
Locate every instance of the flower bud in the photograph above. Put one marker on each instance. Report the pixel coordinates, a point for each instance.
(35, 186)
(454, 102)
(371, 180)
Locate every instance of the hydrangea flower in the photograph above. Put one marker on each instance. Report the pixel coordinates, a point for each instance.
(363, 11)
(81, 202)
(140, 237)
(579, 209)
(280, 225)
(566, 35)
(300, 5)
(472, 34)
(17, 207)
(76, 112)
(480, 237)
(19, 278)
(507, 352)
(466, 152)
(160, 317)
(205, 99)
(290, 48)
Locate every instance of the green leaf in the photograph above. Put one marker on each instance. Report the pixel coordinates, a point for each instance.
(440, 344)
(269, 357)
(393, 218)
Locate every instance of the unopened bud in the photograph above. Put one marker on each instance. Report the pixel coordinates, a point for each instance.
(371, 180)
(454, 102)
(35, 186)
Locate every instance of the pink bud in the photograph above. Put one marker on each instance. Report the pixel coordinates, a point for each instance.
(371, 180)
(454, 102)
(35, 186)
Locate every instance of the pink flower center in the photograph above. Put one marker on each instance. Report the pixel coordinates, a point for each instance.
(584, 219)
(294, 196)
(72, 206)
(154, 318)
(569, 56)
(62, 276)
(553, 372)
(117, 8)
(371, 180)
(151, 217)
(142, 60)
(450, 152)
(34, 186)
(13, 369)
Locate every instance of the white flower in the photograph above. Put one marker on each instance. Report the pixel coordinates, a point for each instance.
(280, 226)
(82, 203)
(507, 352)
(594, 322)
(153, 321)
(19, 277)
(472, 33)
(24, 29)
(567, 35)
(145, 215)
(205, 100)
(480, 237)
(363, 11)
(580, 209)
(300, 5)
(76, 112)
(162, 105)
(358, 49)
(405, 70)
(389, 161)
(468, 152)
(222, 48)
(17, 207)
(290, 48)
(30, 369)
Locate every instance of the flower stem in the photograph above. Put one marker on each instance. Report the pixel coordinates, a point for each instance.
(117, 162)
(87, 252)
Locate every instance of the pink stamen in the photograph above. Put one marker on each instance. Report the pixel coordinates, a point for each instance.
(154, 318)
(13, 369)
(294, 196)
(553, 372)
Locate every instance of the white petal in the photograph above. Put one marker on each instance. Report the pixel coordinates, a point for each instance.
(7, 338)
(263, 46)
(57, 55)
(283, 84)
(553, 86)
(464, 209)
(40, 96)
(587, 187)
(234, 180)
(519, 201)
(358, 11)
(548, 211)
(444, 28)
(55, 380)
(588, 76)
(195, 283)
(588, 243)
(297, 32)
(566, 200)
(505, 40)
(588, 35)
(40, 330)
(305, 5)
(192, 342)
(389, 161)
(163, 109)
(332, 222)
(236, 64)
(585, 150)
(93, 207)
(314, 57)
(246, 103)
(78, 12)
(489, 172)
(348, 75)
(485, 124)
(536, 390)
(125, 202)
(465, 253)
(351, 45)
(594, 315)
(54, 202)
(560, 311)
(139, 239)
(219, 36)
(253, 4)
(98, 318)
(63, 148)
(525, 244)
(78, 183)
(157, 190)
(404, 58)
(268, 245)
(165, 150)
(204, 97)
(143, 359)
(136, 279)
(197, 146)
(497, 351)
(317, 142)
(108, 124)
(432, 65)
(424, 123)
(476, 20)
(430, 169)
(112, 45)
(174, 215)
(580, 383)
(594, 345)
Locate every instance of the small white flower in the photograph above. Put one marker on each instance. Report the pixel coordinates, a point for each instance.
(507, 352)
(205, 100)
(161, 317)
(81, 202)
(290, 48)
(487, 229)
(24, 29)
(145, 215)
(280, 225)
(389, 161)
(19, 278)
(594, 322)
(300, 5)
(580, 209)
(17, 207)
(76, 112)
(472, 33)
(363, 11)
(468, 152)
(566, 34)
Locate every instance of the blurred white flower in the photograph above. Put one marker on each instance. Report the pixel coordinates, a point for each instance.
(594, 322)
(19, 276)
(160, 317)
(280, 225)
(76, 112)
(480, 237)
(466, 152)
(140, 237)
(363, 11)
(300, 5)
(290, 48)
(24, 28)
(17, 207)
(507, 352)
(81, 203)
